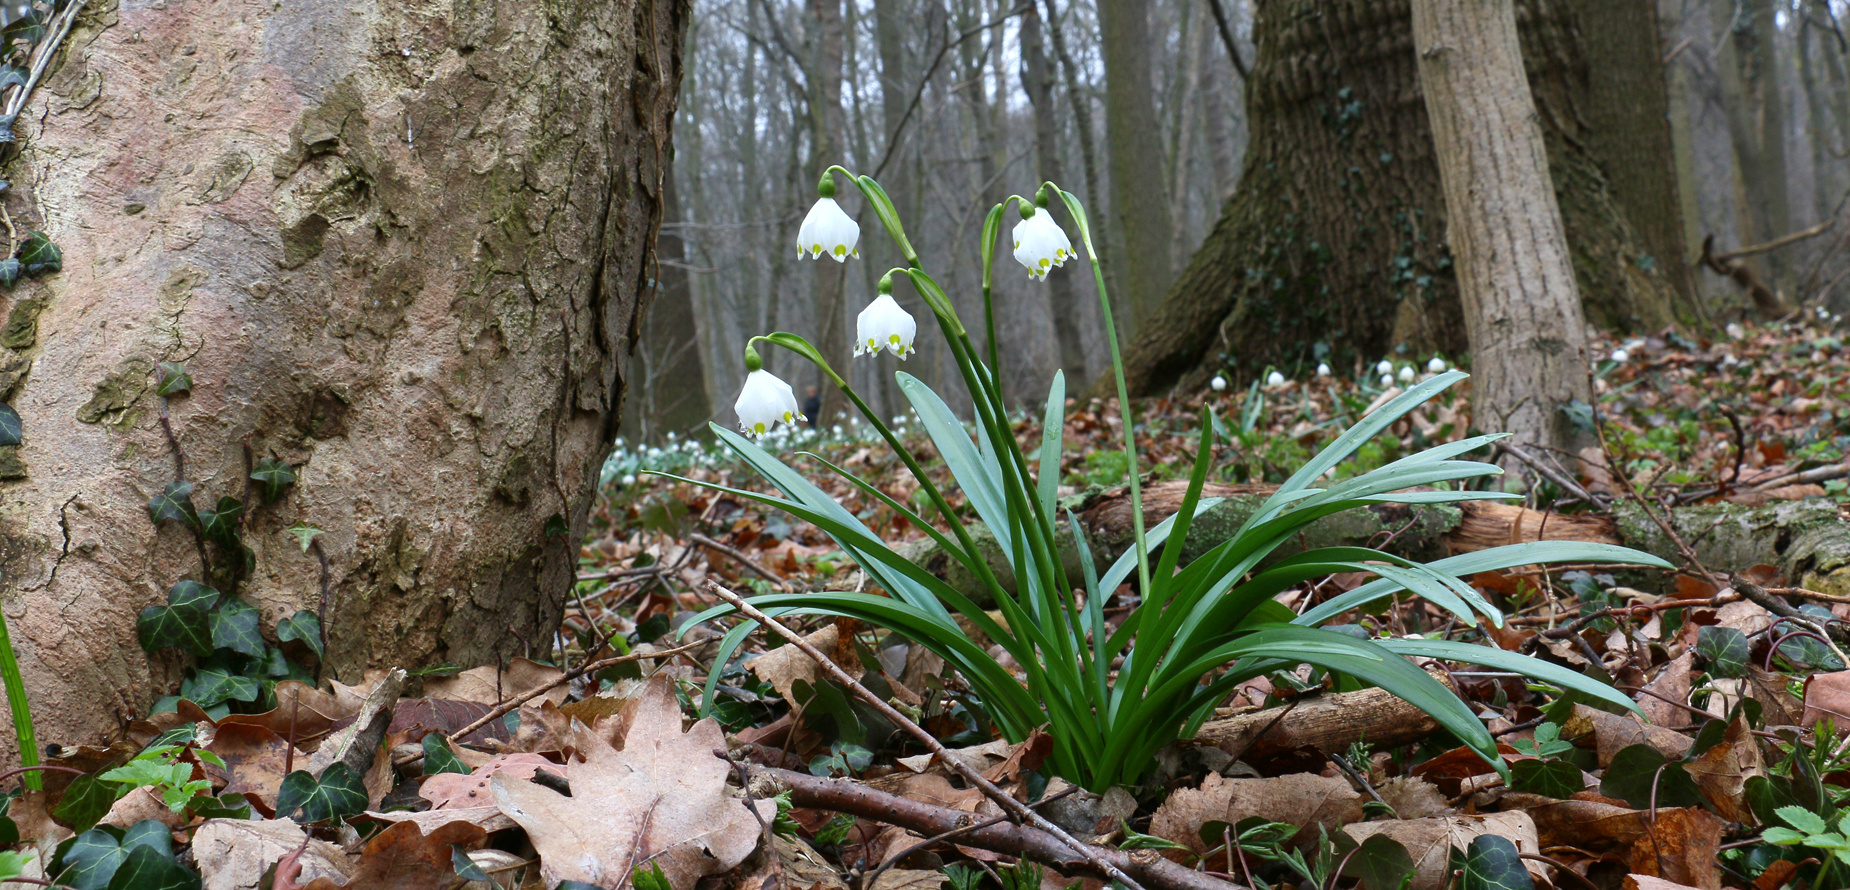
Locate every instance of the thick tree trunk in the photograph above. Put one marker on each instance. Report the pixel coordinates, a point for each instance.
(1337, 232)
(1140, 216)
(399, 245)
(1522, 314)
(1625, 70)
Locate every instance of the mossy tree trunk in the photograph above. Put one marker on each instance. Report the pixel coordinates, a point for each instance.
(1337, 232)
(401, 246)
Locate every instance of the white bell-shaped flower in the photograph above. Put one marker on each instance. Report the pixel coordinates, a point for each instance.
(1406, 374)
(1387, 381)
(1435, 365)
(1218, 383)
(1041, 245)
(829, 230)
(883, 325)
(1275, 379)
(1323, 369)
(1620, 355)
(764, 401)
(1384, 367)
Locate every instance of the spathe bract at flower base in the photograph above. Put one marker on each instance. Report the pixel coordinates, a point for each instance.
(1113, 694)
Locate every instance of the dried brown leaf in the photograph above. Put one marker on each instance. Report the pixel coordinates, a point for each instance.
(403, 857)
(233, 853)
(1430, 841)
(1304, 800)
(660, 799)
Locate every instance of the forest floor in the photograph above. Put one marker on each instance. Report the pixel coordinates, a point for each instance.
(588, 764)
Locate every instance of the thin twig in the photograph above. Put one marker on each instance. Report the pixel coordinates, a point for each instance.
(739, 557)
(1007, 803)
(871, 879)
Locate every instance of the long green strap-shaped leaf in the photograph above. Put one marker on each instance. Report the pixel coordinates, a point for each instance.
(1515, 662)
(1197, 477)
(1126, 562)
(1495, 559)
(1053, 426)
(945, 544)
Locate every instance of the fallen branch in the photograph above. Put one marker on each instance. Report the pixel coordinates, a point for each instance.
(970, 776)
(1732, 268)
(1777, 243)
(1329, 723)
(846, 796)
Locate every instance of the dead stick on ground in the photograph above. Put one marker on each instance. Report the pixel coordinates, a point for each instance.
(1008, 804)
(501, 709)
(847, 796)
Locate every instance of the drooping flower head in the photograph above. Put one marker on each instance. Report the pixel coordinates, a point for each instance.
(765, 400)
(1219, 383)
(883, 325)
(1040, 244)
(828, 229)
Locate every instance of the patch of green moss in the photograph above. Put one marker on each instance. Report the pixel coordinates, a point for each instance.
(116, 400)
(22, 324)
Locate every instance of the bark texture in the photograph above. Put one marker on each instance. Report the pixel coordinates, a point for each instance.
(401, 245)
(1522, 312)
(1140, 217)
(1337, 232)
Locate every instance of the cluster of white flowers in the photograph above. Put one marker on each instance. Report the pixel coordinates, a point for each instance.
(766, 401)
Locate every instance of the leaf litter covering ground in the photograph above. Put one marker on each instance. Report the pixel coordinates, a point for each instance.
(606, 777)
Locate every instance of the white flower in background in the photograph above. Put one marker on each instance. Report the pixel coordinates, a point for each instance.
(1385, 367)
(1387, 381)
(1620, 355)
(671, 436)
(1436, 365)
(764, 401)
(654, 452)
(1041, 245)
(629, 479)
(828, 229)
(1274, 379)
(620, 443)
(1735, 331)
(1218, 383)
(1406, 374)
(883, 325)
(1323, 369)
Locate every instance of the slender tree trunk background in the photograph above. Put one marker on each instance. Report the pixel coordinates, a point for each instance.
(1337, 232)
(401, 245)
(1756, 125)
(1140, 213)
(1522, 312)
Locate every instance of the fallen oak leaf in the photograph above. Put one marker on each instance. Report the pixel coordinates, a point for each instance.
(661, 798)
(403, 857)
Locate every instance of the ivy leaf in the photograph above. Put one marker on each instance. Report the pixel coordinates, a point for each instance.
(339, 793)
(1492, 863)
(207, 687)
(304, 534)
(86, 801)
(181, 623)
(175, 502)
(236, 626)
(40, 256)
(1381, 863)
(438, 758)
(1640, 775)
(149, 869)
(275, 476)
(1550, 778)
(302, 627)
(465, 868)
(1724, 649)
(10, 75)
(10, 429)
(171, 379)
(221, 524)
(10, 270)
(91, 860)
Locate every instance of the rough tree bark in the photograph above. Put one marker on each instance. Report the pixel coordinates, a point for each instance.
(401, 245)
(1522, 314)
(1337, 231)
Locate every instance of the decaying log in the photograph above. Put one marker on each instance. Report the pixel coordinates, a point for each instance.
(1328, 723)
(846, 796)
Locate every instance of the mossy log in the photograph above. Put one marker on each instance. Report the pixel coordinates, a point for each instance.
(1807, 540)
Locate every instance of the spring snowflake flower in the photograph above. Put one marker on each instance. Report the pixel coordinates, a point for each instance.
(1323, 369)
(883, 325)
(629, 479)
(1274, 379)
(1387, 381)
(1406, 374)
(1620, 355)
(764, 401)
(828, 229)
(1436, 365)
(1218, 383)
(1041, 245)
(1385, 367)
